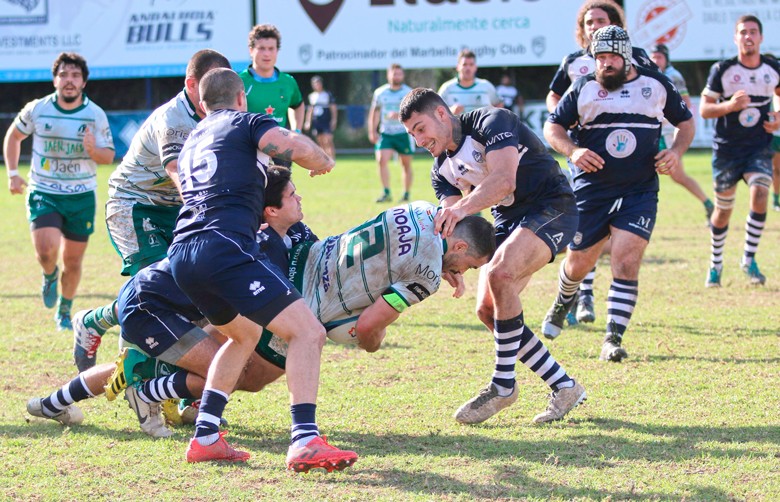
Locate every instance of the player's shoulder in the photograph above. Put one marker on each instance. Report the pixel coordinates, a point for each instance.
(485, 83)
(573, 56)
(771, 61)
(176, 112)
(724, 64)
(92, 106)
(448, 84)
(642, 59)
(38, 104)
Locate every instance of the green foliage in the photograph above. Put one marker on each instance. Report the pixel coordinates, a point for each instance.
(692, 414)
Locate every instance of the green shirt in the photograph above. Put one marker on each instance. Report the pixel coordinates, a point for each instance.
(273, 96)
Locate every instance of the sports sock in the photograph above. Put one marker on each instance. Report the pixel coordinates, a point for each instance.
(506, 335)
(586, 286)
(708, 205)
(64, 305)
(72, 392)
(535, 356)
(776, 199)
(754, 227)
(717, 241)
(620, 304)
(304, 423)
(567, 288)
(212, 405)
(53, 275)
(173, 386)
(102, 318)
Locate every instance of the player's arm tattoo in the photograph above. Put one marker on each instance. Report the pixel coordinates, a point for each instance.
(272, 150)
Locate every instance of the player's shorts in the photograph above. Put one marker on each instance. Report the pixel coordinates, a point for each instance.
(140, 233)
(73, 214)
(154, 326)
(633, 213)
(226, 274)
(727, 172)
(402, 143)
(554, 221)
(320, 125)
(775, 144)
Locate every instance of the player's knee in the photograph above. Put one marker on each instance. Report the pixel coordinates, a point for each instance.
(501, 276)
(725, 202)
(312, 335)
(485, 314)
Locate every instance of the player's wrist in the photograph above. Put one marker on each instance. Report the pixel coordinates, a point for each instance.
(12, 173)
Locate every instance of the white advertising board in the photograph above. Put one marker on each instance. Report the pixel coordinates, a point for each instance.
(335, 35)
(697, 30)
(138, 38)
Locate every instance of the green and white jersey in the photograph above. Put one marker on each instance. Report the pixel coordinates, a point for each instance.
(273, 96)
(60, 164)
(388, 101)
(395, 257)
(141, 175)
(480, 93)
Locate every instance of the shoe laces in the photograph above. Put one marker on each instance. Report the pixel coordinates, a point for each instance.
(485, 395)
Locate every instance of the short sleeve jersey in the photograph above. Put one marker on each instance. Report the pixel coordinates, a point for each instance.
(388, 101)
(395, 257)
(320, 103)
(740, 134)
(141, 175)
(273, 96)
(60, 164)
(581, 63)
(507, 94)
(623, 127)
(480, 93)
(539, 177)
(223, 175)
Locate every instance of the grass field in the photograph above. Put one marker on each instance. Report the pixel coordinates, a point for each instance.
(693, 414)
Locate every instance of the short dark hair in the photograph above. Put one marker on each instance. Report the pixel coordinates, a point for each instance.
(70, 58)
(420, 100)
(466, 53)
(662, 49)
(265, 31)
(218, 88)
(479, 234)
(394, 66)
(748, 18)
(203, 61)
(613, 10)
(278, 177)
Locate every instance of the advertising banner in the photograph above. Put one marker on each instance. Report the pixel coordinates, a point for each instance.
(696, 30)
(335, 35)
(139, 38)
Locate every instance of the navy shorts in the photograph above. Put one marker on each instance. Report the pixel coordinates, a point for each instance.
(320, 125)
(226, 274)
(633, 213)
(554, 223)
(155, 326)
(727, 172)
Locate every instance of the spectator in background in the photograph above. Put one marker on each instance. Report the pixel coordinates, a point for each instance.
(70, 138)
(269, 90)
(321, 116)
(509, 95)
(660, 56)
(392, 135)
(466, 92)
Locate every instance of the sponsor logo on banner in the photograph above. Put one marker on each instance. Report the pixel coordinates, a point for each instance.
(661, 22)
(25, 12)
(321, 12)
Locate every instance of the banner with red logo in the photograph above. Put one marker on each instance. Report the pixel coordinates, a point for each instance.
(139, 38)
(334, 35)
(697, 30)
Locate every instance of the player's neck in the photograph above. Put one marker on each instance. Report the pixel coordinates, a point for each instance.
(70, 105)
(466, 83)
(750, 60)
(267, 73)
(279, 228)
(457, 134)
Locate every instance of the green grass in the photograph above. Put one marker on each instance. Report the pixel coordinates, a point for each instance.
(692, 414)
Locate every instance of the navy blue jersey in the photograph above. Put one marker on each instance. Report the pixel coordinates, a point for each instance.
(485, 129)
(740, 134)
(223, 175)
(623, 127)
(153, 288)
(581, 63)
(277, 248)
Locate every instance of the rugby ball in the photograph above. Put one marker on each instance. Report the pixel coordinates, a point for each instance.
(343, 330)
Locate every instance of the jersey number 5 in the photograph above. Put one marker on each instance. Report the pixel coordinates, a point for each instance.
(360, 239)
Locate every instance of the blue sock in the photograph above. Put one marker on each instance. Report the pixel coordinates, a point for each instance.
(212, 405)
(304, 423)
